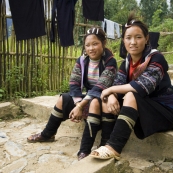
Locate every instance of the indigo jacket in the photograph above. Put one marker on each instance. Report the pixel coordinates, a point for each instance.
(79, 79)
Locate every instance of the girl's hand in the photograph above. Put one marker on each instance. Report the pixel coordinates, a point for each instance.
(76, 114)
(104, 95)
(113, 105)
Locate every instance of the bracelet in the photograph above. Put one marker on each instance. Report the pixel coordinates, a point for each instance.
(79, 106)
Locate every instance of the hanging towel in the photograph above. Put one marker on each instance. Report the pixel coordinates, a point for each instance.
(117, 28)
(28, 18)
(64, 12)
(8, 12)
(109, 27)
(93, 9)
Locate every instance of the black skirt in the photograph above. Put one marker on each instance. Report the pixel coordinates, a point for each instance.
(153, 117)
(67, 105)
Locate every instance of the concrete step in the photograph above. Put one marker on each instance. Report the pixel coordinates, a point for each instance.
(38, 107)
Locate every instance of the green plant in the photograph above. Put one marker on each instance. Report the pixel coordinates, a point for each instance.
(65, 86)
(1, 93)
(50, 93)
(14, 76)
(39, 79)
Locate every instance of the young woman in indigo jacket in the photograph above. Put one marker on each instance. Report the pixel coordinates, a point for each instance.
(142, 94)
(94, 71)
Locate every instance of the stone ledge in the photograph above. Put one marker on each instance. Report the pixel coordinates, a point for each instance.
(91, 165)
(39, 107)
(155, 147)
(8, 110)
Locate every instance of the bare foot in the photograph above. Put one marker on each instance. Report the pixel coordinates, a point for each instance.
(110, 148)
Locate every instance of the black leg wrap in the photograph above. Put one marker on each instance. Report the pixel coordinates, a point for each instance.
(52, 126)
(129, 112)
(88, 141)
(107, 127)
(122, 131)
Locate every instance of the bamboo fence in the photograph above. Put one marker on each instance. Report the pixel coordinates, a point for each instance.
(36, 66)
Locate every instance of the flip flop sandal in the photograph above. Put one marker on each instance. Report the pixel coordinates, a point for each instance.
(104, 153)
(39, 138)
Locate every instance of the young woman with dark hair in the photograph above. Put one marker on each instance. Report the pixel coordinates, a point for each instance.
(94, 71)
(142, 94)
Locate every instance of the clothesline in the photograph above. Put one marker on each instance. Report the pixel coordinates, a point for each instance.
(165, 33)
(87, 25)
(92, 25)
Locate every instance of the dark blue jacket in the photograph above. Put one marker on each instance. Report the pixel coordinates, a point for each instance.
(107, 72)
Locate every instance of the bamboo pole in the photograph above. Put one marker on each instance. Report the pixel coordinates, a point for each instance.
(1, 44)
(24, 55)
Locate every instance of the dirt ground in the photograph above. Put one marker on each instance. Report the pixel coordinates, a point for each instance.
(17, 155)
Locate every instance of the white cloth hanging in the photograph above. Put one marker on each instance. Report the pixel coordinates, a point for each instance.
(110, 28)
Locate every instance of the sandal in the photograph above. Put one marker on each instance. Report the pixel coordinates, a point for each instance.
(81, 156)
(104, 153)
(39, 138)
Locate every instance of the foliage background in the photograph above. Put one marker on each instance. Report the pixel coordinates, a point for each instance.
(38, 67)
(157, 14)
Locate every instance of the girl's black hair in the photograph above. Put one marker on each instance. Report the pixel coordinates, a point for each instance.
(133, 21)
(98, 32)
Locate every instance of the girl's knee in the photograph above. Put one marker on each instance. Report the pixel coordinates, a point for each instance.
(129, 100)
(59, 103)
(94, 106)
(129, 96)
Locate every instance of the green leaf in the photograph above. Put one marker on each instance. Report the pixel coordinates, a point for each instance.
(1, 90)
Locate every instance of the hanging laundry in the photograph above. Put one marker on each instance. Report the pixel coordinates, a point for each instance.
(93, 9)
(28, 18)
(63, 11)
(117, 28)
(154, 38)
(8, 12)
(110, 27)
